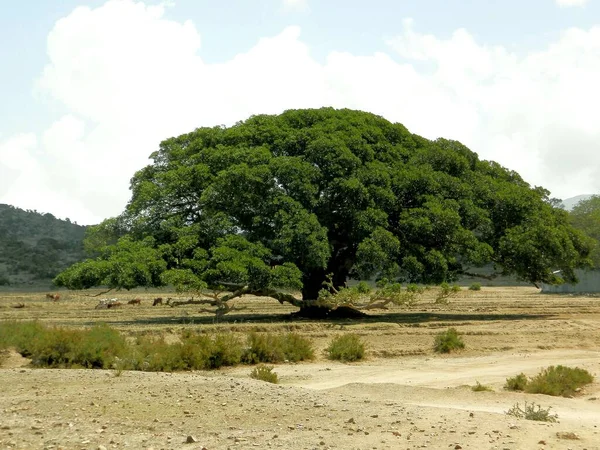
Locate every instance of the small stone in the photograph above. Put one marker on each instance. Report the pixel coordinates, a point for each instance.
(457, 446)
(542, 442)
(101, 447)
(350, 420)
(191, 439)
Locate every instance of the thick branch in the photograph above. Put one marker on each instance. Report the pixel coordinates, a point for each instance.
(239, 291)
(99, 294)
(481, 275)
(205, 301)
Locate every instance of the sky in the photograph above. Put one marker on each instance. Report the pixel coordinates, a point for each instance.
(89, 89)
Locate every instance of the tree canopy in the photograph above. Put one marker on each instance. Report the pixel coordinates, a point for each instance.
(309, 196)
(585, 216)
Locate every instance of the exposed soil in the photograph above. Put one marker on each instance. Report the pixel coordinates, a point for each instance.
(402, 397)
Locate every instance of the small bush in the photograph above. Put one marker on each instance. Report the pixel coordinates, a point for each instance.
(347, 347)
(475, 287)
(297, 348)
(98, 347)
(448, 341)
(516, 383)
(446, 291)
(532, 412)
(481, 388)
(272, 348)
(559, 381)
(224, 350)
(264, 373)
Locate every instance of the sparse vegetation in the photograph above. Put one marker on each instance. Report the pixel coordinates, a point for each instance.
(481, 388)
(264, 373)
(104, 347)
(445, 292)
(347, 348)
(531, 411)
(558, 381)
(475, 287)
(448, 341)
(274, 348)
(516, 383)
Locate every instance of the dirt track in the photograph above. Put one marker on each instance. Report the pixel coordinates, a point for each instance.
(403, 396)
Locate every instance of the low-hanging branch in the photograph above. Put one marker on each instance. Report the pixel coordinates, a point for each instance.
(213, 299)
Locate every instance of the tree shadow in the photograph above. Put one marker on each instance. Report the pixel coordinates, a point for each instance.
(429, 317)
(400, 318)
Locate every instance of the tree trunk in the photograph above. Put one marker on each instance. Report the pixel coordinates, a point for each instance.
(312, 284)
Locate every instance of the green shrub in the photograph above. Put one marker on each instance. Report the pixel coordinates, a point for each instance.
(23, 336)
(475, 287)
(98, 347)
(297, 348)
(559, 381)
(274, 348)
(516, 383)
(194, 352)
(153, 354)
(262, 348)
(532, 412)
(264, 373)
(224, 350)
(448, 341)
(347, 347)
(103, 347)
(480, 388)
(445, 292)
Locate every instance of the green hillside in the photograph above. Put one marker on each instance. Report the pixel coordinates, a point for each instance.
(34, 247)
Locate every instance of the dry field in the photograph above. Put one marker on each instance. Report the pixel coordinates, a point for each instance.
(403, 396)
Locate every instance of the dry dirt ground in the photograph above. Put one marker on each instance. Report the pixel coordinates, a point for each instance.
(404, 396)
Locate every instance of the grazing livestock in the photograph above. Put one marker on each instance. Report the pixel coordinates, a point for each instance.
(157, 301)
(53, 297)
(135, 301)
(106, 303)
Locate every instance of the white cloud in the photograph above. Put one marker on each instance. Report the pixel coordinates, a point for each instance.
(296, 5)
(535, 114)
(130, 78)
(570, 3)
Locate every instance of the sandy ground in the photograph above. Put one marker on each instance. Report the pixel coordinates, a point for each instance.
(402, 397)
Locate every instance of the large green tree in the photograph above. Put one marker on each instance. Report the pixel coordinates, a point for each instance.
(285, 201)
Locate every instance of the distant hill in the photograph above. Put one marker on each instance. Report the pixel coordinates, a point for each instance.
(35, 247)
(571, 202)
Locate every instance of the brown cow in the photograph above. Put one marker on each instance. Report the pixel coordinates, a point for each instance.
(157, 301)
(53, 297)
(135, 301)
(114, 305)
